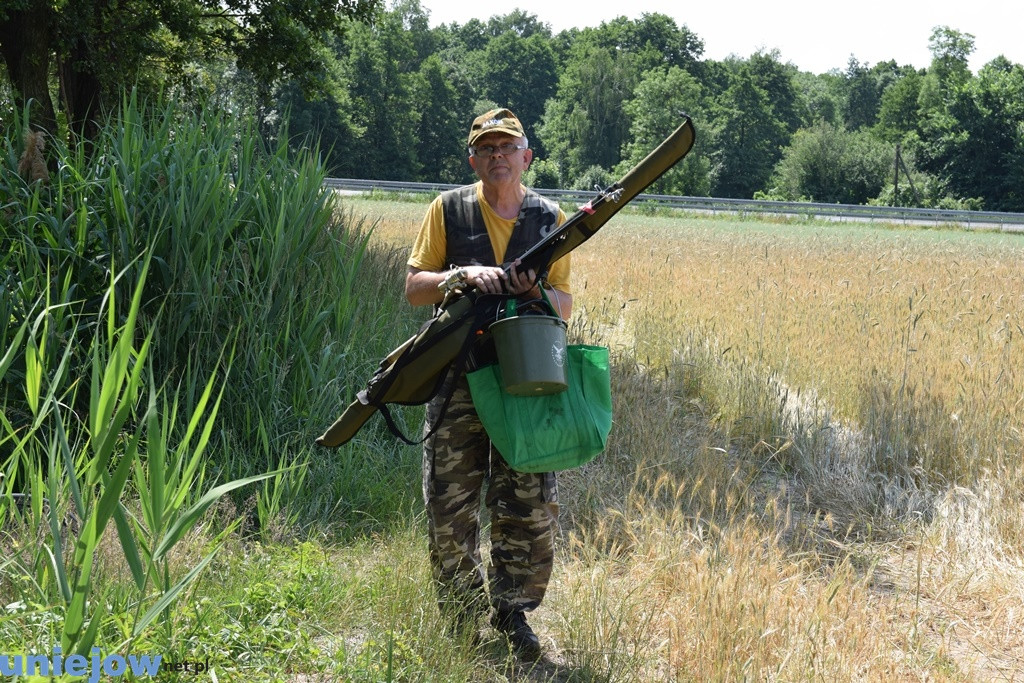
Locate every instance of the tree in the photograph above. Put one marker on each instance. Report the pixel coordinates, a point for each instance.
(584, 124)
(98, 46)
(26, 31)
(441, 136)
(817, 97)
(326, 119)
(519, 23)
(949, 70)
(383, 102)
(950, 51)
(377, 117)
(416, 20)
(862, 96)
(898, 111)
(975, 144)
(746, 136)
(592, 178)
(863, 90)
(827, 163)
(777, 80)
(543, 173)
(969, 132)
(472, 35)
(655, 39)
(654, 110)
(519, 73)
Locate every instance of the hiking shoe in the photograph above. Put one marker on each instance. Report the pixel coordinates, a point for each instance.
(512, 624)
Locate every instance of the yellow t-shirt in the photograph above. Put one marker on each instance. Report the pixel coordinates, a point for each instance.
(428, 251)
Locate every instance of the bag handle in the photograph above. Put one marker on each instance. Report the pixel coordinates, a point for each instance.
(512, 305)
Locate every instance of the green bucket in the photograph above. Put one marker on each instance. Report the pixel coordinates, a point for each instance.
(531, 354)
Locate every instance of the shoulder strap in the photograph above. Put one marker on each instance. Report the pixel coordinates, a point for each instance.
(458, 365)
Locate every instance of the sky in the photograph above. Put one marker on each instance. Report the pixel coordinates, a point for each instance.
(814, 35)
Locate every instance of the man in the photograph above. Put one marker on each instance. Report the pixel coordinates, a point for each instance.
(465, 236)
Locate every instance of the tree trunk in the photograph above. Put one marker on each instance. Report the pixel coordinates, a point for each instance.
(25, 43)
(81, 90)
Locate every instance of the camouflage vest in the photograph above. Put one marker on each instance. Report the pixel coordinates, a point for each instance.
(468, 243)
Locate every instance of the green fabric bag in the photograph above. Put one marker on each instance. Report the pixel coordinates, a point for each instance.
(552, 432)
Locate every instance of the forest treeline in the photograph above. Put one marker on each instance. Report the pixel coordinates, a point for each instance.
(389, 97)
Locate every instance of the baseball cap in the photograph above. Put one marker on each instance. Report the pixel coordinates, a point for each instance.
(495, 121)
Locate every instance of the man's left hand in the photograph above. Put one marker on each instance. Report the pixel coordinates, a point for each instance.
(521, 283)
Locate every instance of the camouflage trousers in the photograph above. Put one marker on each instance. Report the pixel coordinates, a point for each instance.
(458, 462)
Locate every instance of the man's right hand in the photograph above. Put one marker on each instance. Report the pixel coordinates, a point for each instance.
(487, 279)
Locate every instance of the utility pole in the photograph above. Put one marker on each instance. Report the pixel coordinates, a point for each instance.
(896, 176)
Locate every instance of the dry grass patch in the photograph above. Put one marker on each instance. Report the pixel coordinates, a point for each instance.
(815, 469)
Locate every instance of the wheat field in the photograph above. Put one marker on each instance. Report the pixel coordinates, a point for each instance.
(815, 469)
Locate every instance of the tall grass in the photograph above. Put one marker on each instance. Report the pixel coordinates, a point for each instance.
(178, 316)
(76, 468)
(248, 248)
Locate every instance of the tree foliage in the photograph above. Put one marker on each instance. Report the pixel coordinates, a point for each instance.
(584, 124)
(441, 134)
(654, 111)
(382, 100)
(898, 110)
(747, 138)
(100, 46)
(950, 50)
(975, 141)
(654, 39)
(827, 163)
(520, 73)
(390, 97)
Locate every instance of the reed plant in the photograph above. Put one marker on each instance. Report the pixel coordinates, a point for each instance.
(177, 316)
(76, 469)
(248, 246)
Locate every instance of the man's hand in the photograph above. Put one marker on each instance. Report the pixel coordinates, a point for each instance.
(521, 283)
(486, 279)
(495, 281)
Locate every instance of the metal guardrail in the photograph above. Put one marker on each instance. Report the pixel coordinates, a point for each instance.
(1009, 222)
